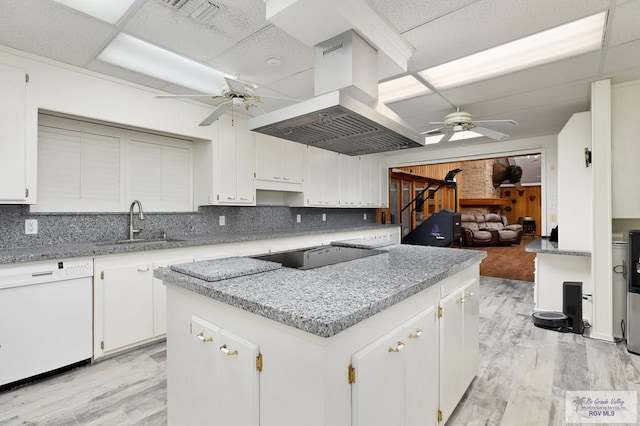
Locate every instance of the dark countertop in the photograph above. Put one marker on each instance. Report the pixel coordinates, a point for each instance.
(543, 245)
(327, 300)
(65, 251)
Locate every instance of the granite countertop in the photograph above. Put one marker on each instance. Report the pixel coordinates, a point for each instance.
(543, 245)
(90, 249)
(362, 243)
(327, 300)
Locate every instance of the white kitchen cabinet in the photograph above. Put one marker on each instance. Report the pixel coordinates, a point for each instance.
(224, 377)
(13, 128)
(279, 163)
(373, 185)
(349, 180)
(322, 178)
(458, 344)
(397, 379)
(128, 305)
(224, 167)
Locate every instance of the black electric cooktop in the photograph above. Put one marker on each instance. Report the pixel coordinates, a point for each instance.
(316, 257)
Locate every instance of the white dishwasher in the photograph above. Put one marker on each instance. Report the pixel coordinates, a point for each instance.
(46, 311)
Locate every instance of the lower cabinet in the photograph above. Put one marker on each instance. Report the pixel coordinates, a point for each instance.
(459, 342)
(130, 304)
(397, 381)
(225, 378)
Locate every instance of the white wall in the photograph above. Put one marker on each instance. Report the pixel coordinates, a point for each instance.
(575, 185)
(546, 145)
(65, 89)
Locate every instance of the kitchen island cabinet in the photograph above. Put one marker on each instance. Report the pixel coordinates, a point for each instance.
(325, 335)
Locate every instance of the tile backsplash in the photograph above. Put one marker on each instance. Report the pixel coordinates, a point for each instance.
(58, 228)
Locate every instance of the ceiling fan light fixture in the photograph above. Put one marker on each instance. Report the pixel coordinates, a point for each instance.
(401, 88)
(145, 58)
(575, 38)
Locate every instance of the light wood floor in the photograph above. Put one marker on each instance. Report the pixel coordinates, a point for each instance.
(524, 372)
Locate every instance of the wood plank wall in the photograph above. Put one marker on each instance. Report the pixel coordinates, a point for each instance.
(525, 201)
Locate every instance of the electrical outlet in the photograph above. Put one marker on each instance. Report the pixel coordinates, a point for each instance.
(365, 216)
(298, 218)
(324, 217)
(31, 226)
(222, 221)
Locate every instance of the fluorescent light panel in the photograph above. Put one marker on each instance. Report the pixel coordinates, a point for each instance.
(106, 10)
(401, 88)
(574, 38)
(137, 55)
(466, 134)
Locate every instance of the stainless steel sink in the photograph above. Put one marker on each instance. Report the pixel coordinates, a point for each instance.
(138, 241)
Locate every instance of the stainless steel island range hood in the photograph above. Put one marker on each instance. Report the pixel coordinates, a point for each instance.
(349, 120)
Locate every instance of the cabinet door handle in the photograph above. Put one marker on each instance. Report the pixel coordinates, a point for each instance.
(460, 300)
(226, 351)
(397, 348)
(230, 198)
(468, 294)
(415, 335)
(203, 339)
(285, 178)
(244, 198)
(143, 270)
(276, 177)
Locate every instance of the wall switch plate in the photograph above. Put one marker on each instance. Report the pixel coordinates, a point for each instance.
(365, 216)
(298, 218)
(324, 217)
(31, 226)
(222, 220)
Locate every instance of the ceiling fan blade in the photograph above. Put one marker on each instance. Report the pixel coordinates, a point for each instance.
(497, 122)
(235, 85)
(214, 115)
(490, 133)
(255, 110)
(439, 131)
(437, 122)
(446, 137)
(189, 96)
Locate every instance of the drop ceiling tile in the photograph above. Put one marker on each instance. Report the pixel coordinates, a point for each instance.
(624, 57)
(408, 14)
(248, 59)
(161, 25)
(299, 85)
(625, 23)
(489, 23)
(555, 74)
(51, 30)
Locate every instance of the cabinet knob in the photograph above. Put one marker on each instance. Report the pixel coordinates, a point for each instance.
(415, 335)
(398, 348)
(230, 198)
(203, 339)
(468, 294)
(226, 351)
(460, 300)
(143, 269)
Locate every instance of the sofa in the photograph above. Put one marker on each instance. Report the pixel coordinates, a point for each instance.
(488, 229)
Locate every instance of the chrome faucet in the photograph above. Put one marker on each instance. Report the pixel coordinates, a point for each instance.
(133, 231)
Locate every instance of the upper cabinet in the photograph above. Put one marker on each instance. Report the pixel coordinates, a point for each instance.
(224, 172)
(279, 163)
(13, 143)
(625, 150)
(323, 179)
(349, 181)
(373, 182)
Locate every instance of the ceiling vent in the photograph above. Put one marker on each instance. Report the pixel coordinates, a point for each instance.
(200, 11)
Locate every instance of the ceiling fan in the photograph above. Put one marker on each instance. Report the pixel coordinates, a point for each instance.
(460, 121)
(236, 93)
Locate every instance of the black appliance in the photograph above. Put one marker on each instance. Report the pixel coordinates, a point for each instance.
(633, 292)
(570, 319)
(315, 257)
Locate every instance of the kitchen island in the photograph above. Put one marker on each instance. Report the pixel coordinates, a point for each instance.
(355, 343)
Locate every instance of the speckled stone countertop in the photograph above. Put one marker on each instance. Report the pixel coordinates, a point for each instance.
(224, 269)
(327, 300)
(65, 251)
(362, 243)
(543, 245)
